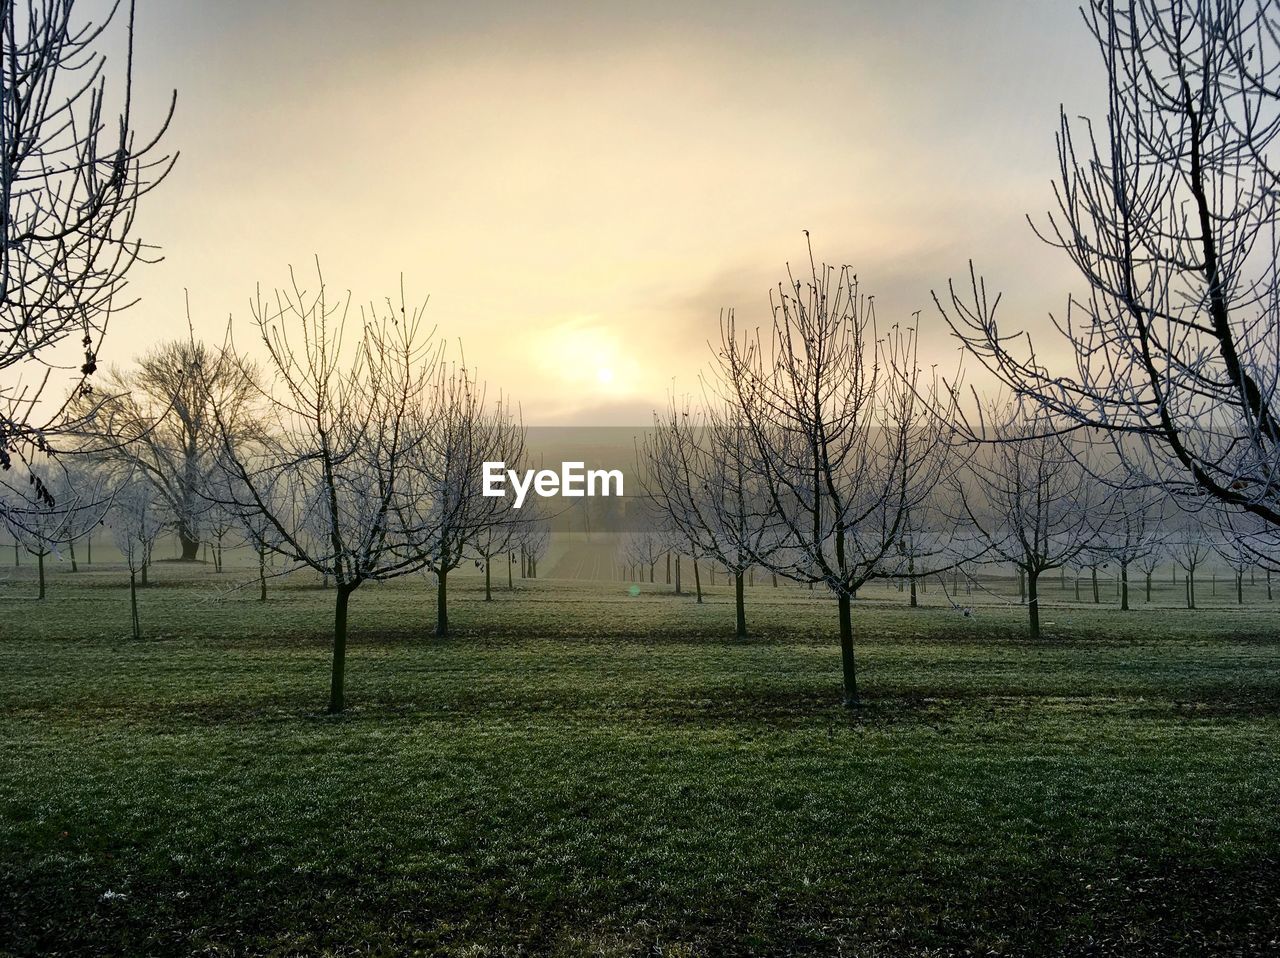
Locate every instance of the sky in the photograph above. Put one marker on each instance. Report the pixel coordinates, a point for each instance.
(580, 188)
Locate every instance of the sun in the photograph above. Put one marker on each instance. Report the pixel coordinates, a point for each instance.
(604, 375)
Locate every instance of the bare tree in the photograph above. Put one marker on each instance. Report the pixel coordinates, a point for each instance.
(1027, 498)
(43, 529)
(253, 525)
(76, 503)
(220, 521)
(526, 535)
(701, 475)
(1191, 546)
(1251, 535)
(70, 181)
(261, 537)
(926, 547)
(1245, 542)
(136, 519)
(500, 536)
(158, 423)
(85, 497)
(676, 546)
(1129, 534)
(1170, 212)
(343, 422)
(1148, 563)
(535, 542)
(1095, 556)
(640, 551)
(1239, 560)
(846, 448)
(447, 509)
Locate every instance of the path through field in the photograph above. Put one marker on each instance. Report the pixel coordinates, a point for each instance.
(578, 557)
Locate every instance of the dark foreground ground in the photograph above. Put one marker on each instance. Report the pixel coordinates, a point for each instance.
(580, 772)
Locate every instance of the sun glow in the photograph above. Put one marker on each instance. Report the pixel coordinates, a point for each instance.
(588, 355)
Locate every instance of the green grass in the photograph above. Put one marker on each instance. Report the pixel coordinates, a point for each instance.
(581, 772)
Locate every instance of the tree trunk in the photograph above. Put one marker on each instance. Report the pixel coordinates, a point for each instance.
(1022, 586)
(1124, 587)
(133, 605)
(846, 654)
(145, 567)
(71, 547)
(1148, 586)
(668, 568)
(1239, 588)
(1093, 576)
(262, 575)
(442, 604)
(40, 566)
(1191, 590)
(510, 581)
(190, 543)
(88, 548)
(678, 589)
(337, 682)
(739, 606)
(697, 581)
(488, 588)
(1077, 586)
(1033, 603)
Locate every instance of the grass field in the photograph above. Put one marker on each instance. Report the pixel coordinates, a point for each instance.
(579, 772)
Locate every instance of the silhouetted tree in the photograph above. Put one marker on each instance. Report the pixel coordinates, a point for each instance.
(1170, 212)
(702, 476)
(70, 181)
(447, 510)
(343, 421)
(839, 432)
(1027, 497)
